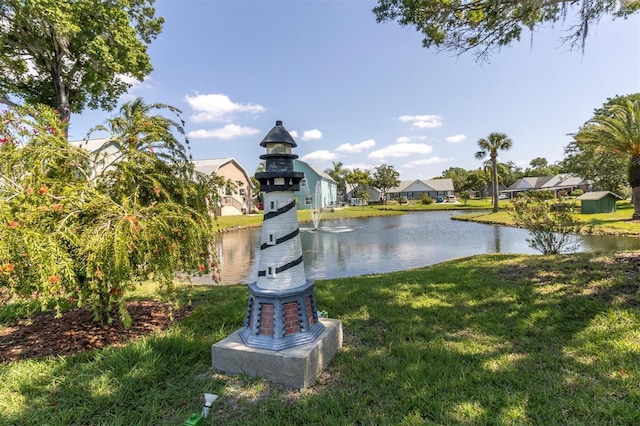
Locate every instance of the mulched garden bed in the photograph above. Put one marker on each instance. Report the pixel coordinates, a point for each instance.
(44, 335)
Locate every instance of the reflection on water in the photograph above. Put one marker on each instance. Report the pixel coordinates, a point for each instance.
(351, 247)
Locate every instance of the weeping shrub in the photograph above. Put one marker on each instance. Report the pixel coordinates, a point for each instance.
(75, 232)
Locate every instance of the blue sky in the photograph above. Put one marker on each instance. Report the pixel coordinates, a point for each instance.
(355, 91)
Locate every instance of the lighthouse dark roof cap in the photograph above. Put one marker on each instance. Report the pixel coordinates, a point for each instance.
(278, 134)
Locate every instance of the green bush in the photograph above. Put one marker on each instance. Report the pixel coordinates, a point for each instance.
(425, 199)
(551, 228)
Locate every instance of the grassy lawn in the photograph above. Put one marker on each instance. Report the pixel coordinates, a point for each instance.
(229, 222)
(617, 223)
(492, 339)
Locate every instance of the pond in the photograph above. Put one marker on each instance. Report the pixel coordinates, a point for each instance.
(349, 247)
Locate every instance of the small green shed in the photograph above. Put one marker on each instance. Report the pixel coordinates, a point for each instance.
(598, 202)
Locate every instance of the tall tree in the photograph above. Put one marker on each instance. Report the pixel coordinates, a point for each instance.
(540, 166)
(74, 54)
(458, 175)
(338, 173)
(512, 173)
(361, 180)
(489, 147)
(476, 181)
(608, 172)
(384, 178)
(616, 129)
(484, 25)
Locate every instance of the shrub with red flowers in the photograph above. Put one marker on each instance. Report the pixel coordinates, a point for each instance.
(77, 230)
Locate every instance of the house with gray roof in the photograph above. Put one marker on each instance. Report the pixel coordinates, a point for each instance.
(564, 182)
(415, 189)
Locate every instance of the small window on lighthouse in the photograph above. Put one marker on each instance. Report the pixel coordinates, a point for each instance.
(278, 148)
(271, 240)
(273, 205)
(271, 272)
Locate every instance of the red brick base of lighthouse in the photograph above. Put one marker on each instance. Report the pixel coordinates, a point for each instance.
(281, 319)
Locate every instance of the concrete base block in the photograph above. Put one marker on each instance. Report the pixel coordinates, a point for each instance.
(296, 367)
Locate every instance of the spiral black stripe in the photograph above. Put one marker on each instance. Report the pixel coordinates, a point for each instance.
(283, 267)
(281, 239)
(280, 211)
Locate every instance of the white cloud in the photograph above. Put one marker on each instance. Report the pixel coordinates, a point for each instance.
(230, 131)
(422, 121)
(218, 107)
(294, 134)
(361, 166)
(402, 150)
(359, 147)
(425, 162)
(408, 139)
(321, 155)
(456, 138)
(311, 135)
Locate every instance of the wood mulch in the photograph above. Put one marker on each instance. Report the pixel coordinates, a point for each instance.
(44, 335)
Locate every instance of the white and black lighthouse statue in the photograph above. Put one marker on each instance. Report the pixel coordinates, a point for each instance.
(281, 312)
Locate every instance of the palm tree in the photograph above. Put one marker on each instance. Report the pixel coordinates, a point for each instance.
(616, 129)
(150, 157)
(338, 173)
(489, 147)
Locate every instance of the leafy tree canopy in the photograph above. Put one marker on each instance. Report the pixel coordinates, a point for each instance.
(615, 129)
(71, 55)
(338, 173)
(483, 25)
(457, 175)
(540, 166)
(384, 178)
(605, 168)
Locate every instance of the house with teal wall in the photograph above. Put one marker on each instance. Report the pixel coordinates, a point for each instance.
(314, 177)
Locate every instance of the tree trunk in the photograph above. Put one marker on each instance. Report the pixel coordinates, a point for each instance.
(494, 181)
(634, 181)
(62, 98)
(635, 198)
